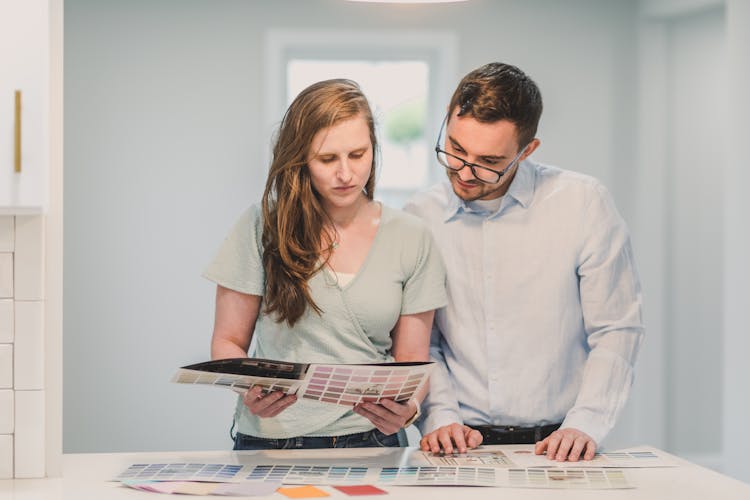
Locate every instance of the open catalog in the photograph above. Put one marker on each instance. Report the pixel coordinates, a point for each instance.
(341, 384)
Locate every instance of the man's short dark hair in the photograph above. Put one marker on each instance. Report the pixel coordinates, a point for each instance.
(498, 91)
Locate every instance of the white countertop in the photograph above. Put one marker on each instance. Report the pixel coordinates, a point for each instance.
(88, 477)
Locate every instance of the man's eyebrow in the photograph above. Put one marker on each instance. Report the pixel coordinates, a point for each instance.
(493, 157)
(457, 144)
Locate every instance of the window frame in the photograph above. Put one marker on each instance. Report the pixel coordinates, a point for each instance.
(436, 48)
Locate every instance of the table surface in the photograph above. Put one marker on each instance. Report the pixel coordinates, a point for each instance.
(88, 476)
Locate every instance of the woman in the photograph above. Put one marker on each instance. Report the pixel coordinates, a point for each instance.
(322, 273)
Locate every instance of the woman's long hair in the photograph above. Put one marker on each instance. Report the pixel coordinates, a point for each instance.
(294, 221)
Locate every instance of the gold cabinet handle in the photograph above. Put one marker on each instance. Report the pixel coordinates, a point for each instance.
(17, 138)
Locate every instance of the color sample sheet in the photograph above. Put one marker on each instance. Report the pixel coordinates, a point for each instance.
(618, 459)
(309, 474)
(451, 476)
(238, 383)
(396, 476)
(474, 458)
(341, 384)
(348, 385)
(568, 478)
(587, 478)
(223, 473)
(246, 489)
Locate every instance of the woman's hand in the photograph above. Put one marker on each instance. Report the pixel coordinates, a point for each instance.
(388, 416)
(267, 405)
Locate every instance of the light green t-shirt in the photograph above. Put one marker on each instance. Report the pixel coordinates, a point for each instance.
(402, 274)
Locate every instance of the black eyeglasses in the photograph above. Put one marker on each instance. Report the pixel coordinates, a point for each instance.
(480, 172)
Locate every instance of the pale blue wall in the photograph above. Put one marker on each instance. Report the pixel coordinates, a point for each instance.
(163, 142)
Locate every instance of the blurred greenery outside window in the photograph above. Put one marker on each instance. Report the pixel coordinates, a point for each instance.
(398, 93)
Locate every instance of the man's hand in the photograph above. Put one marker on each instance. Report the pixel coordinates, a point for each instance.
(567, 444)
(388, 416)
(449, 436)
(268, 405)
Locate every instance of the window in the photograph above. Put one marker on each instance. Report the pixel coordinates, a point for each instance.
(403, 78)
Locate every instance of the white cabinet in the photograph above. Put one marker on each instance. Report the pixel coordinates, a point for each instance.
(24, 67)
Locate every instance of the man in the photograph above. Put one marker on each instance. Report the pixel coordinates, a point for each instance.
(543, 325)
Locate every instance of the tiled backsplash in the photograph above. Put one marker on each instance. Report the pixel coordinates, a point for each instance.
(22, 413)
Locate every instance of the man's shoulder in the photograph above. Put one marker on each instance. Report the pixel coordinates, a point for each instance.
(553, 178)
(430, 202)
(401, 220)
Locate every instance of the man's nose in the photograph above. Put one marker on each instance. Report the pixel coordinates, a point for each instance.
(465, 174)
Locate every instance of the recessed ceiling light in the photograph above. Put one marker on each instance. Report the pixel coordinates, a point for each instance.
(409, 1)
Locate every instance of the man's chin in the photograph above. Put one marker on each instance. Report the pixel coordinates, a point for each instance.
(466, 193)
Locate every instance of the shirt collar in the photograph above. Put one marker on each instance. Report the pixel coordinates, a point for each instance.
(521, 189)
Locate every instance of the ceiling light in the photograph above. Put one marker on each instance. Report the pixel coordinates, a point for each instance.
(409, 1)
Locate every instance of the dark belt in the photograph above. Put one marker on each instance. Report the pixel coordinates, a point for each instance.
(510, 434)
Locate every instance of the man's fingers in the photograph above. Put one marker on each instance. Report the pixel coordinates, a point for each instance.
(451, 437)
(541, 446)
(473, 437)
(457, 434)
(578, 445)
(552, 444)
(444, 438)
(424, 443)
(590, 450)
(564, 448)
(430, 443)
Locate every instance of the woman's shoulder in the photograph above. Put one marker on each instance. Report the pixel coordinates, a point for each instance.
(252, 216)
(248, 226)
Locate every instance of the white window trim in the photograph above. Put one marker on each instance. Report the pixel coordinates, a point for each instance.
(438, 48)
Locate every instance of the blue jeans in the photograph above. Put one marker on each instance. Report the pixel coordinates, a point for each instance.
(373, 438)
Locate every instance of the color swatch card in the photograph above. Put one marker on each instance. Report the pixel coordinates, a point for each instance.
(342, 384)
(595, 479)
(223, 473)
(308, 474)
(473, 458)
(442, 476)
(196, 478)
(246, 489)
(303, 492)
(360, 490)
(395, 476)
(618, 459)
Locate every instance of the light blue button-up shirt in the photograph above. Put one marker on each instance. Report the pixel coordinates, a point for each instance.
(543, 323)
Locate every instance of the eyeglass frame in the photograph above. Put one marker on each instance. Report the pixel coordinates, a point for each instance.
(472, 166)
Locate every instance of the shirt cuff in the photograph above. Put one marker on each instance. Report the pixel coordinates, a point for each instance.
(590, 424)
(436, 419)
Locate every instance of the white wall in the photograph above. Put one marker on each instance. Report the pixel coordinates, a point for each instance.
(163, 140)
(692, 121)
(736, 398)
(694, 235)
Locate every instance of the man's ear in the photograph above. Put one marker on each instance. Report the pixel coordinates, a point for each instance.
(530, 148)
